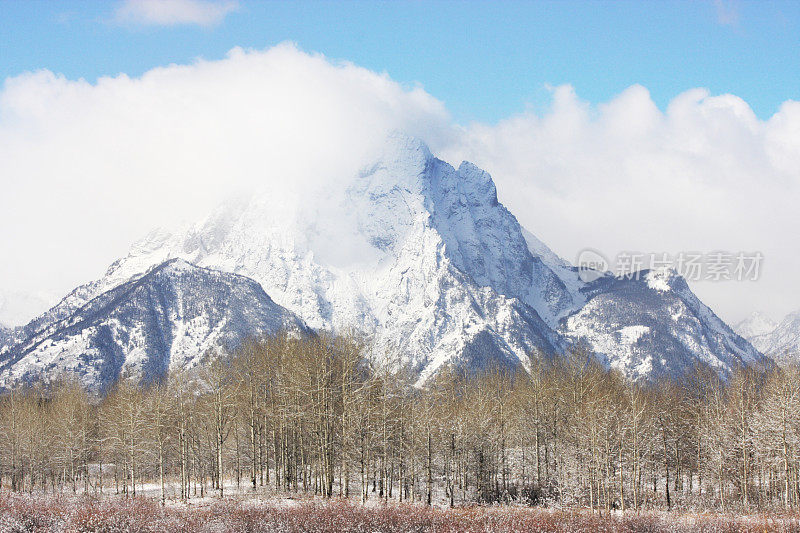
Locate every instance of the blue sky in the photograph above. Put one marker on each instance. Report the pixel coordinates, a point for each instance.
(484, 60)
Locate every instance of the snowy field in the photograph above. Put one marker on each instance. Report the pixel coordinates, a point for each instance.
(239, 513)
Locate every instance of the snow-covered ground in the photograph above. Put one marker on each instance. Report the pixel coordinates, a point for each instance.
(54, 514)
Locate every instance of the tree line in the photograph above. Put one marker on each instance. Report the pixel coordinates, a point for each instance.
(288, 414)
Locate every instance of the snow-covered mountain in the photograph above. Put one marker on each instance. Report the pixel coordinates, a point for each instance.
(652, 325)
(754, 325)
(422, 259)
(782, 341)
(169, 317)
(5, 334)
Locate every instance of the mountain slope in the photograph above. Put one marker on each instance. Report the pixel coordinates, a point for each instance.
(782, 343)
(754, 325)
(167, 318)
(5, 335)
(655, 326)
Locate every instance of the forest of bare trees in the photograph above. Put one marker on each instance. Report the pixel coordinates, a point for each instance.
(311, 415)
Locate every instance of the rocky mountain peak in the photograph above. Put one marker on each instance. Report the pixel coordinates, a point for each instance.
(415, 254)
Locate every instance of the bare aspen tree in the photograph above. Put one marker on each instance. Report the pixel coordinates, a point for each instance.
(317, 414)
(219, 383)
(125, 424)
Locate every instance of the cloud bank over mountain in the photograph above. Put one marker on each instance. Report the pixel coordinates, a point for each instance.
(704, 175)
(90, 166)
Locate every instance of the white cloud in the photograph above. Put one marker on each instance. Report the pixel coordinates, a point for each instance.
(174, 12)
(85, 168)
(727, 12)
(704, 175)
